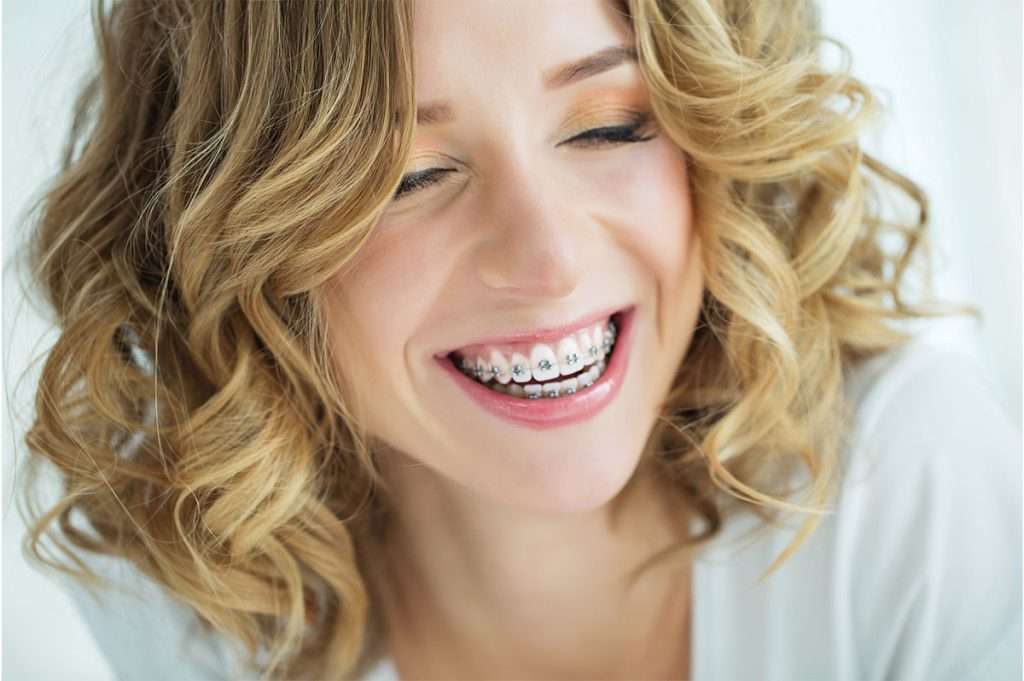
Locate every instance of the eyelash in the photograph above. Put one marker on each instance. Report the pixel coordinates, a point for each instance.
(594, 138)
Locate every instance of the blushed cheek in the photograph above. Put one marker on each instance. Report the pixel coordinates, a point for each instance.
(374, 308)
(654, 211)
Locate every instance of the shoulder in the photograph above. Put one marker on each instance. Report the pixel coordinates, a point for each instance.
(928, 521)
(142, 631)
(911, 384)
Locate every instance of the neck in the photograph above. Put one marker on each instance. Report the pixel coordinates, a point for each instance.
(503, 592)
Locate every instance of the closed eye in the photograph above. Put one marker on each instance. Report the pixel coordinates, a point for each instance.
(608, 136)
(613, 135)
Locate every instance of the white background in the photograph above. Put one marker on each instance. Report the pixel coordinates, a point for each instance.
(949, 74)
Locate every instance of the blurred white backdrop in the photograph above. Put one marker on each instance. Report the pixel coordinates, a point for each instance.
(949, 75)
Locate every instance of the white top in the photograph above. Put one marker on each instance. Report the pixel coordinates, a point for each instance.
(916, 576)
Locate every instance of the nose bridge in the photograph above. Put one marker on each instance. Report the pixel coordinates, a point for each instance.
(531, 248)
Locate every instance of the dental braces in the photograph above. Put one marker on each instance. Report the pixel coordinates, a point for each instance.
(572, 358)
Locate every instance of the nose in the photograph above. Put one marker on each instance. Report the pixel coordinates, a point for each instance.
(533, 247)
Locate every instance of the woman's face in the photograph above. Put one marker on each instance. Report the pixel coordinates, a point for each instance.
(532, 226)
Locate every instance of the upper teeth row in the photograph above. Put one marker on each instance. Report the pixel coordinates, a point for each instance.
(545, 362)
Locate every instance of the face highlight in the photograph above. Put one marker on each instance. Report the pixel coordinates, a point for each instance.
(534, 199)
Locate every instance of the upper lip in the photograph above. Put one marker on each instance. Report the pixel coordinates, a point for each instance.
(540, 335)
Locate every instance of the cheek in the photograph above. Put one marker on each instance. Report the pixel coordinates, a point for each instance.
(377, 305)
(650, 199)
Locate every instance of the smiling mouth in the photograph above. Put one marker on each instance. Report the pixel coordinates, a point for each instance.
(574, 397)
(548, 370)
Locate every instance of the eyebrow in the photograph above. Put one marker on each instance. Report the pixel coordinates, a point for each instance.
(558, 77)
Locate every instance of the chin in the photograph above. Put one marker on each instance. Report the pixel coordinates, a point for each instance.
(564, 474)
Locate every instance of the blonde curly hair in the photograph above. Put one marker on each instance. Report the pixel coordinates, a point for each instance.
(228, 158)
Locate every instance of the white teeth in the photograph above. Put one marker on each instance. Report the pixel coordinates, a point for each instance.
(500, 368)
(551, 389)
(543, 363)
(597, 336)
(520, 368)
(588, 347)
(569, 357)
(482, 371)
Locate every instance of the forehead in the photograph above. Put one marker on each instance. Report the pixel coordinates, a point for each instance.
(474, 41)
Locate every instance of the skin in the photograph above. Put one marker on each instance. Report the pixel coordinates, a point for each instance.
(512, 544)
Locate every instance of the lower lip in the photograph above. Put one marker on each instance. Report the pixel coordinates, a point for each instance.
(552, 412)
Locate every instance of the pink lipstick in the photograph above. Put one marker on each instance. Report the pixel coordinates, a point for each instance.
(546, 412)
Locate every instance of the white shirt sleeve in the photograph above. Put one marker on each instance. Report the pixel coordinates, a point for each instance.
(143, 633)
(939, 536)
